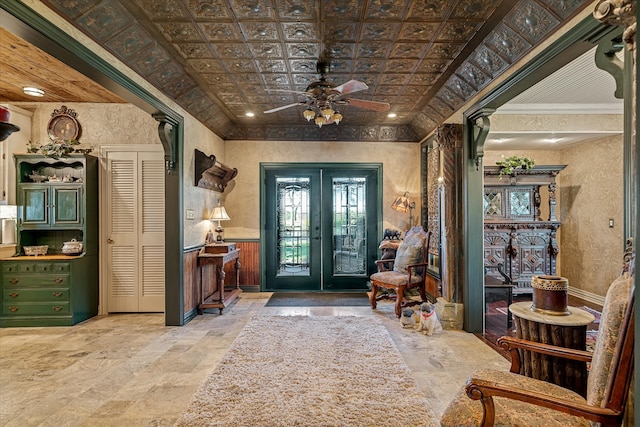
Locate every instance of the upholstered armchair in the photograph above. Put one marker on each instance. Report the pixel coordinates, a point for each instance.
(407, 270)
(498, 398)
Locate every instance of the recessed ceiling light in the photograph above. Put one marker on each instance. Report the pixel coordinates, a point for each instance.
(250, 114)
(392, 115)
(32, 91)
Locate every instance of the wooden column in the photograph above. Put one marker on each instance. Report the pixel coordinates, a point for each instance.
(449, 139)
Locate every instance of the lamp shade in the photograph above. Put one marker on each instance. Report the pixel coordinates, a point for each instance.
(402, 203)
(219, 214)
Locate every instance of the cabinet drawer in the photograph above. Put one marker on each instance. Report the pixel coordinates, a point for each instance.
(15, 280)
(19, 295)
(19, 309)
(10, 267)
(35, 267)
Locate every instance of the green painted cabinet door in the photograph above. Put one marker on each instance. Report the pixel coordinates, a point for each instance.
(35, 204)
(51, 205)
(67, 205)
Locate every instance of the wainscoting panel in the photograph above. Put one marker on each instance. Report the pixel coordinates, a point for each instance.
(249, 265)
(190, 279)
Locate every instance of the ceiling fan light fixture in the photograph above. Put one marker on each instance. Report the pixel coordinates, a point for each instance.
(33, 91)
(327, 113)
(320, 121)
(309, 114)
(337, 117)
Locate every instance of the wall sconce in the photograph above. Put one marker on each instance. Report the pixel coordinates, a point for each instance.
(404, 204)
(219, 214)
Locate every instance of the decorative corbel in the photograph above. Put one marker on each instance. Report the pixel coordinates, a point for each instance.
(607, 60)
(479, 131)
(168, 139)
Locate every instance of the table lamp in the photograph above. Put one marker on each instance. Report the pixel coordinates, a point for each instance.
(219, 214)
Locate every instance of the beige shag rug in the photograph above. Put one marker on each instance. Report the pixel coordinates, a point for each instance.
(310, 371)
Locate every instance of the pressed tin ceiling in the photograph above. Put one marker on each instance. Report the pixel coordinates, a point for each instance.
(219, 59)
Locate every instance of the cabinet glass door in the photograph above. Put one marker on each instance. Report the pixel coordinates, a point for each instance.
(35, 201)
(67, 206)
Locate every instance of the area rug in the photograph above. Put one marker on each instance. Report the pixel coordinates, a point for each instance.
(310, 371)
(318, 299)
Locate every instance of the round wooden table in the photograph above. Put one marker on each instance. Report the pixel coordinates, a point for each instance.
(568, 331)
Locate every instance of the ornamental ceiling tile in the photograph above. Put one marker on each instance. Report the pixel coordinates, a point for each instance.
(219, 58)
(194, 50)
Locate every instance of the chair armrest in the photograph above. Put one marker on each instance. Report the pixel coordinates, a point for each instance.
(512, 344)
(411, 267)
(484, 391)
(383, 264)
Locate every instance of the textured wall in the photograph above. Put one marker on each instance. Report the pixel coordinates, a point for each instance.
(589, 192)
(401, 172)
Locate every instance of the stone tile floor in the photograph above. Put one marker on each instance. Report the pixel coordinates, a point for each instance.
(131, 370)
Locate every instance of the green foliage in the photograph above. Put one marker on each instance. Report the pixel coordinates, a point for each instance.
(508, 165)
(58, 149)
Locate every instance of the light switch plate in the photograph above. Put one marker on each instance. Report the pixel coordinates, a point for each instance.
(191, 214)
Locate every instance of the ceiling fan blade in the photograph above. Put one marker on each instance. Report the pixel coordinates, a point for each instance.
(351, 86)
(369, 105)
(273, 110)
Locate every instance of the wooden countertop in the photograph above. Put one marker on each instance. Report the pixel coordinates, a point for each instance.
(54, 257)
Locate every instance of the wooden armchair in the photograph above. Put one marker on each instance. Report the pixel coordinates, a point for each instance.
(407, 270)
(506, 398)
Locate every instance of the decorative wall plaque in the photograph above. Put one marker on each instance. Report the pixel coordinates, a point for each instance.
(63, 125)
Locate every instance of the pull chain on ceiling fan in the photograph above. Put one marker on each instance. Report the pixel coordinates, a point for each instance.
(325, 97)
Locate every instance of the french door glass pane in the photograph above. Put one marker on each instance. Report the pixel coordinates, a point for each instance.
(349, 226)
(293, 226)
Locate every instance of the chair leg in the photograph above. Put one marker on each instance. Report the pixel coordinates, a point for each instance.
(423, 292)
(399, 299)
(372, 297)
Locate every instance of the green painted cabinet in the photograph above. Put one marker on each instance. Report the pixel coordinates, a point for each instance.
(57, 201)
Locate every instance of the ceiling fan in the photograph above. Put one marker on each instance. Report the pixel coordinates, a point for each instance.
(323, 98)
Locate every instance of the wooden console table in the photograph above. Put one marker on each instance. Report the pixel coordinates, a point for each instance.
(569, 331)
(221, 297)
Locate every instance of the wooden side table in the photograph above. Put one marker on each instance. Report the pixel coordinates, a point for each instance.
(221, 297)
(569, 331)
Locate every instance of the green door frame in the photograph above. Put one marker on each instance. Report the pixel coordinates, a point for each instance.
(32, 27)
(264, 167)
(583, 37)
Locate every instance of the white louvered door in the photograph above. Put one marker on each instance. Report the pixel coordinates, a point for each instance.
(134, 270)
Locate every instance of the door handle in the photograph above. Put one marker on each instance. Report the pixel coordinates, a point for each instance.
(316, 238)
(110, 241)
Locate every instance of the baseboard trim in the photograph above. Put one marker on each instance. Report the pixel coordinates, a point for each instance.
(587, 296)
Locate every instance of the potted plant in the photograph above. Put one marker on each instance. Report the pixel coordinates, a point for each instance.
(509, 165)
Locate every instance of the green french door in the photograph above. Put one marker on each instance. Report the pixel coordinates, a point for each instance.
(321, 226)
